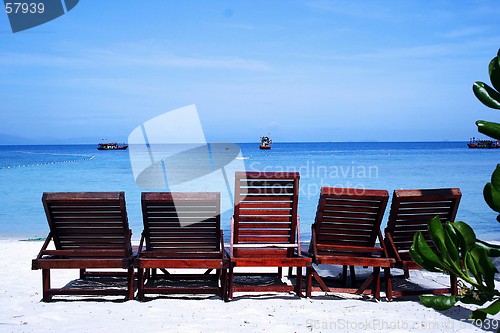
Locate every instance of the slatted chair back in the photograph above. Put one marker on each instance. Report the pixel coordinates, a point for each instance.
(88, 221)
(411, 210)
(348, 219)
(265, 221)
(181, 221)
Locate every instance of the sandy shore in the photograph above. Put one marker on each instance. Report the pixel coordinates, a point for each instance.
(22, 310)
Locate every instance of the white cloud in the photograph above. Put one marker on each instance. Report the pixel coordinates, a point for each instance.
(134, 55)
(464, 32)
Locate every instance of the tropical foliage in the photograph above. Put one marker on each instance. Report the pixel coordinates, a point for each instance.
(456, 250)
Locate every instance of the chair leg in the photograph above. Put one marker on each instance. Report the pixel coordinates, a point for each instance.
(313, 274)
(388, 283)
(309, 269)
(353, 276)
(376, 283)
(453, 284)
(344, 276)
(130, 284)
(47, 297)
(140, 284)
(406, 272)
(223, 283)
(230, 281)
(299, 281)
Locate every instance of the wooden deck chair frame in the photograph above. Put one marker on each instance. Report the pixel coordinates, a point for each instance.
(410, 212)
(89, 230)
(181, 231)
(265, 229)
(345, 232)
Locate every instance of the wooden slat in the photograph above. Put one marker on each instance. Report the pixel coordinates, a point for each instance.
(347, 224)
(266, 198)
(411, 210)
(181, 220)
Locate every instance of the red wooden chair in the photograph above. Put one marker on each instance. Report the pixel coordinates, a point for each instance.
(265, 229)
(181, 231)
(345, 232)
(89, 230)
(411, 210)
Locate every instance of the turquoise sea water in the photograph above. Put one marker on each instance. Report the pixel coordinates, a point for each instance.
(27, 171)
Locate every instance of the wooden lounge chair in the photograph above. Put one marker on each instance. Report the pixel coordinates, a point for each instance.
(89, 230)
(411, 210)
(345, 231)
(181, 231)
(265, 230)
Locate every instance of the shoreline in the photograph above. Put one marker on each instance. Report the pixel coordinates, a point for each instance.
(273, 312)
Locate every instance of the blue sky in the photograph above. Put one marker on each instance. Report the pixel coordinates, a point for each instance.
(305, 70)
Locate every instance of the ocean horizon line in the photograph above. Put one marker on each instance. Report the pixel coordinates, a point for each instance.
(248, 142)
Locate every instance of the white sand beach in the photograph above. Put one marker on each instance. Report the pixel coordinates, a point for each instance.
(23, 311)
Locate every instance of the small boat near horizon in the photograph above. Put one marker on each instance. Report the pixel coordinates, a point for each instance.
(111, 146)
(265, 142)
(483, 144)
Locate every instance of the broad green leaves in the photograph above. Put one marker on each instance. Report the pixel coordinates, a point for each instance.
(486, 95)
(439, 303)
(458, 253)
(491, 191)
(489, 128)
(490, 97)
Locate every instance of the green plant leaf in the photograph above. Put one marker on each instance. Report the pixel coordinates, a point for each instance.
(440, 302)
(470, 266)
(451, 241)
(494, 72)
(495, 178)
(486, 95)
(423, 255)
(436, 231)
(467, 233)
(491, 250)
(491, 309)
(488, 128)
(462, 244)
(484, 266)
(492, 197)
(444, 245)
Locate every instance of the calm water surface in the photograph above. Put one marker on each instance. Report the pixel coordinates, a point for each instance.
(27, 171)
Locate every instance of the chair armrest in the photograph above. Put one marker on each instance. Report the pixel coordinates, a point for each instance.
(312, 245)
(388, 238)
(141, 244)
(222, 249)
(44, 246)
(298, 234)
(231, 244)
(382, 244)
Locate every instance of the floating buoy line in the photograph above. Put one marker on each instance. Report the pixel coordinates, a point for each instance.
(30, 165)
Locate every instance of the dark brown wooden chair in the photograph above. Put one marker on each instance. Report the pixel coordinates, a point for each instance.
(265, 230)
(411, 210)
(345, 232)
(181, 231)
(89, 230)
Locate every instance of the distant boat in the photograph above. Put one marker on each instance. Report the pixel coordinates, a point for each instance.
(265, 142)
(483, 144)
(111, 146)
